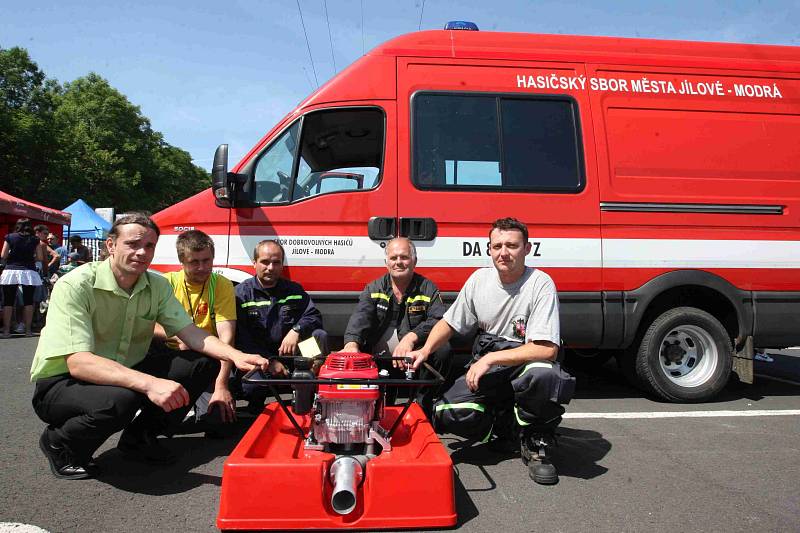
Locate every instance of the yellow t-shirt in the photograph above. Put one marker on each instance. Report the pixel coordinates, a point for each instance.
(195, 300)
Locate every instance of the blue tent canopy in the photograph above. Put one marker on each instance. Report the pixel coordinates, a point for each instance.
(85, 222)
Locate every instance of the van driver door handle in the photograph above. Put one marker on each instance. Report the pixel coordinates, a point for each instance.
(418, 229)
(382, 228)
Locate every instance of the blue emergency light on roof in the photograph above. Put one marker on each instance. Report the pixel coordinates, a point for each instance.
(461, 25)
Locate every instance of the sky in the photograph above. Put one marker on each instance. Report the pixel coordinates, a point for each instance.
(207, 73)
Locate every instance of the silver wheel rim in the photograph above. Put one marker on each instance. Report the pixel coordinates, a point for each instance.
(688, 356)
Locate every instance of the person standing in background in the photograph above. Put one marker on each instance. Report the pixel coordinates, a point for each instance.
(20, 252)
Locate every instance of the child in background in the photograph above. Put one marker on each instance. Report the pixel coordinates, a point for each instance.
(73, 258)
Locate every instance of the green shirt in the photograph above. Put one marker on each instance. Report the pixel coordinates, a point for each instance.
(89, 312)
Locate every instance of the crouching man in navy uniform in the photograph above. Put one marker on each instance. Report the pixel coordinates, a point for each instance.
(395, 315)
(514, 386)
(273, 315)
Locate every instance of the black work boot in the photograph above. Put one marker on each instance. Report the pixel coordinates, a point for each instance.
(533, 449)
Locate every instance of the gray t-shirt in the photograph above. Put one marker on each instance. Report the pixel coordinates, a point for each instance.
(526, 310)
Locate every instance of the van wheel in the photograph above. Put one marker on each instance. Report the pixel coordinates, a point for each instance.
(684, 356)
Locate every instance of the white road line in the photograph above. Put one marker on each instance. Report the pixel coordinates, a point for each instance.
(16, 527)
(686, 414)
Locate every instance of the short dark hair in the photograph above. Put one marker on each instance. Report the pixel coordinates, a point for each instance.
(132, 218)
(508, 223)
(266, 242)
(41, 227)
(193, 241)
(23, 226)
(75, 239)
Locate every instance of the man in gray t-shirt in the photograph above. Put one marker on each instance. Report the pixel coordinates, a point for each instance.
(514, 387)
(525, 310)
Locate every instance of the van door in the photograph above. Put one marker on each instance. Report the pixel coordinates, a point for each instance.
(326, 187)
(488, 141)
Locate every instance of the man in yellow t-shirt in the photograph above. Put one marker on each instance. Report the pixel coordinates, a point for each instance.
(209, 300)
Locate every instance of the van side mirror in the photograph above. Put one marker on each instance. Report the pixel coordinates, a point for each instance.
(219, 177)
(224, 184)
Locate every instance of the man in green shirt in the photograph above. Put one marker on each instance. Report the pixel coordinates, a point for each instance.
(91, 371)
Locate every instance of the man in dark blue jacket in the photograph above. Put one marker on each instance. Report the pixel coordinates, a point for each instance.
(274, 314)
(396, 312)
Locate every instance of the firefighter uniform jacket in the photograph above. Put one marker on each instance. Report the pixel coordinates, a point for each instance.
(421, 308)
(265, 316)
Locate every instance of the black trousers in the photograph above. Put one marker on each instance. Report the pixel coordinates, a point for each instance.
(530, 394)
(10, 295)
(83, 415)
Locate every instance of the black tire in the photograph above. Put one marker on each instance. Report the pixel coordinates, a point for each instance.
(685, 355)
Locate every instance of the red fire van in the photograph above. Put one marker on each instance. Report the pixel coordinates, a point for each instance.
(660, 181)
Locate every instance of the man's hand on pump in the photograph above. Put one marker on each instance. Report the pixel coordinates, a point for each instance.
(289, 343)
(276, 368)
(418, 357)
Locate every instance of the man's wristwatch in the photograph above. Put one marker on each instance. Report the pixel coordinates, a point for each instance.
(296, 328)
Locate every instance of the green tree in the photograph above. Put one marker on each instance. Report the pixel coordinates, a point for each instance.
(112, 155)
(28, 140)
(85, 140)
(179, 178)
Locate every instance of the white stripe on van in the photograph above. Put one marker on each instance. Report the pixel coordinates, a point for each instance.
(547, 252)
(687, 253)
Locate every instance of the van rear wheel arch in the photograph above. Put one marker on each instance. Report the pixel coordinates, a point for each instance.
(695, 288)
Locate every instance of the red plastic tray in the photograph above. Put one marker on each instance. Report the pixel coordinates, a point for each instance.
(271, 482)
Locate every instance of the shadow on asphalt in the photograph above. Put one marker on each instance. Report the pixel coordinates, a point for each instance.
(608, 382)
(761, 388)
(465, 507)
(576, 454)
(155, 480)
(603, 382)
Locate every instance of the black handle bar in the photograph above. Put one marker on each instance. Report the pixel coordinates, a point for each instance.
(251, 378)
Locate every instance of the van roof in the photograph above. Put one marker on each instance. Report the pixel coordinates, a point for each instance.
(619, 50)
(368, 70)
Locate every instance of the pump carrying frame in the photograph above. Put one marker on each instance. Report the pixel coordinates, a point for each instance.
(252, 378)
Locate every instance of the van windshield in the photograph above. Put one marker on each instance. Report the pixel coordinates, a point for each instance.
(326, 151)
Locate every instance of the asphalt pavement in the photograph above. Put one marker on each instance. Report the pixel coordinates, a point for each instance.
(626, 463)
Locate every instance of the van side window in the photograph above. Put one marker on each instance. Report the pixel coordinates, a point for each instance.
(339, 150)
(274, 168)
(496, 142)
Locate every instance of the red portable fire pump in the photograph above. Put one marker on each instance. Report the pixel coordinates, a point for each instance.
(338, 457)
